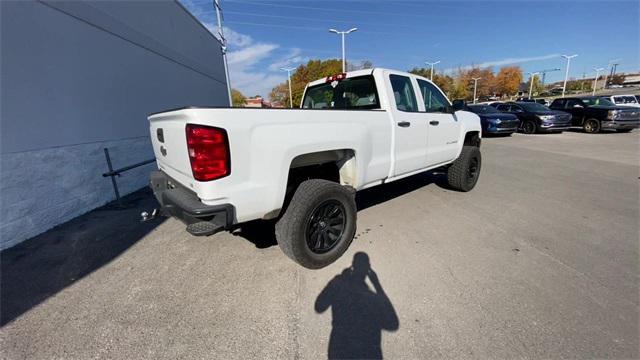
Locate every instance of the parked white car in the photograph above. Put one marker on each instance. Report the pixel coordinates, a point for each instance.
(219, 167)
(623, 100)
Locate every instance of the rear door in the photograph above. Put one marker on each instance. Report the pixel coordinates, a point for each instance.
(576, 108)
(410, 126)
(443, 130)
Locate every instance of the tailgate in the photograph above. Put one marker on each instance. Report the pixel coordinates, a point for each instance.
(169, 141)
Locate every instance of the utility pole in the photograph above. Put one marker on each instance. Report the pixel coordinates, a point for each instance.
(533, 77)
(566, 73)
(544, 73)
(288, 70)
(595, 81)
(432, 64)
(343, 33)
(223, 47)
(608, 76)
(475, 86)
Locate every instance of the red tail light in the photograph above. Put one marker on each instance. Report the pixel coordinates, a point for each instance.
(208, 152)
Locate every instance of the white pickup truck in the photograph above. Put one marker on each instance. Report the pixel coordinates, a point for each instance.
(219, 167)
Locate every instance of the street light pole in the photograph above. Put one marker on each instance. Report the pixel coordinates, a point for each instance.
(475, 87)
(343, 33)
(288, 70)
(223, 46)
(432, 64)
(533, 77)
(566, 73)
(595, 81)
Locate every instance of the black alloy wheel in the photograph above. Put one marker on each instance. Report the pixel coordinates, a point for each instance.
(325, 227)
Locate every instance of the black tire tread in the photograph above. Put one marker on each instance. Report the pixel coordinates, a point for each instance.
(287, 227)
(457, 172)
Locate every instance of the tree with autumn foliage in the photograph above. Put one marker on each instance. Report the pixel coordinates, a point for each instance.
(508, 80)
(303, 74)
(444, 82)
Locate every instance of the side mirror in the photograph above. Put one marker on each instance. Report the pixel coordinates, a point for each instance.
(458, 104)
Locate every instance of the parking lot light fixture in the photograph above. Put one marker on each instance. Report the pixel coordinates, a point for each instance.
(595, 81)
(343, 33)
(475, 87)
(432, 64)
(533, 77)
(566, 73)
(288, 70)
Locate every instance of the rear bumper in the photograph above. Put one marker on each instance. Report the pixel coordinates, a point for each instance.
(177, 201)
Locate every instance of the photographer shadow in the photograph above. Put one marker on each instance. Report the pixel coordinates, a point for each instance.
(359, 314)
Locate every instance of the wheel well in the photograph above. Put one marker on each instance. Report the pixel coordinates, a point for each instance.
(472, 138)
(333, 165)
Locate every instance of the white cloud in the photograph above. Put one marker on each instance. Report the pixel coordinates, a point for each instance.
(507, 61)
(250, 55)
(235, 39)
(292, 59)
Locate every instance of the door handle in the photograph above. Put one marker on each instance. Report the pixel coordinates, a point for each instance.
(404, 124)
(434, 122)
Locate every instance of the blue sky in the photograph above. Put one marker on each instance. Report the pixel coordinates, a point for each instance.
(267, 35)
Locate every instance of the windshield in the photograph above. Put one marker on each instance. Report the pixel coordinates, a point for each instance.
(354, 93)
(483, 109)
(533, 107)
(596, 102)
(625, 100)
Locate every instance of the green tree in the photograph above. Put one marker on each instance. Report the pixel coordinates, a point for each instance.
(237, 99)
(537, 86)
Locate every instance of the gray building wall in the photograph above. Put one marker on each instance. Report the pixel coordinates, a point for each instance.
(79, 76)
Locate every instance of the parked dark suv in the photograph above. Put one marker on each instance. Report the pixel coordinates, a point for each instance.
(593, 114)
(494, 121)
(537, 118)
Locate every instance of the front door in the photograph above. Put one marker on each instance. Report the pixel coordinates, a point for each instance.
(443, 127)
(410, 127)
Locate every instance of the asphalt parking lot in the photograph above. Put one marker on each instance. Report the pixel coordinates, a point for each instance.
(540, 260)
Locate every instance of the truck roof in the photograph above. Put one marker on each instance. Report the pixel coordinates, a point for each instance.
(356, 73)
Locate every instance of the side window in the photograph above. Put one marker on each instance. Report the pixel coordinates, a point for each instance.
(503, 107)
(403, 93)
(558, 103)
(516, 109)
(571, 103)
(434, 101)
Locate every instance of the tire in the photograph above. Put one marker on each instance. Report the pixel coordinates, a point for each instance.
(623, 130)
(463, 174)
(529, 127)
(591, 126)
(313, 218)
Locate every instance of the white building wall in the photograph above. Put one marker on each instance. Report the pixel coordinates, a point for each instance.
(79, 76)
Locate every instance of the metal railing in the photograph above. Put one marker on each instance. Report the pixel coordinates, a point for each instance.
(113, 173)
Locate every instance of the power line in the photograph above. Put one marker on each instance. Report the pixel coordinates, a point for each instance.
(299, 27)
(334, 10)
